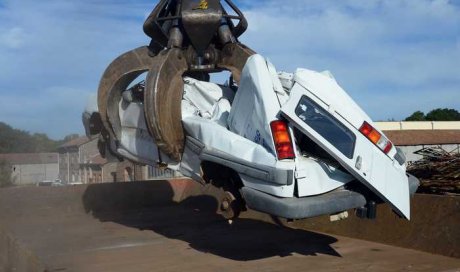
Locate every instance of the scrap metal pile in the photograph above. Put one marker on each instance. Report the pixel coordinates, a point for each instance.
(438, 171)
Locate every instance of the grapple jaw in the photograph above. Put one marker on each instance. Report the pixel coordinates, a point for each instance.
(162, 100)
(193, 37)
(116, 78)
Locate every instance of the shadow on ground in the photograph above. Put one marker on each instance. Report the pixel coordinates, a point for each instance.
(149, 206)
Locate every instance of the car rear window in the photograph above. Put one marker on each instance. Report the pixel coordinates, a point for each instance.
(327, 126)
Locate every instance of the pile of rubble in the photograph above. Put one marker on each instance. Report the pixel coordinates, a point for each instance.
(438, 171)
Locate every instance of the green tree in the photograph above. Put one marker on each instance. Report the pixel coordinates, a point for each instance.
(19, 141)
(435, 115)
(41, 143)
(70, 137)
(443, 115)
(5, 174)
(416, 116)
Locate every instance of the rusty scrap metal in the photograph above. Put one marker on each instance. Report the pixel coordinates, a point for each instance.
(438, 171)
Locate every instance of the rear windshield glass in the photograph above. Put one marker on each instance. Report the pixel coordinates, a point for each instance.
(327, 126)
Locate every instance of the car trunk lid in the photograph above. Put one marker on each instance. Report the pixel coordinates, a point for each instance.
(325, 113)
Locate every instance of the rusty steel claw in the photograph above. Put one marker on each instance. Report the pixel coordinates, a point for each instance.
(162, 101)
(116, 78)
(164, 89)
(234, 57)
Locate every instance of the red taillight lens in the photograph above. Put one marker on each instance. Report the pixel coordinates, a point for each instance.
(388, 148)
(376, 137)
(372, 134)
(366, 129)
(282, 139)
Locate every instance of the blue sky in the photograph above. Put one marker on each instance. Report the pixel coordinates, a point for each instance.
(393, 57)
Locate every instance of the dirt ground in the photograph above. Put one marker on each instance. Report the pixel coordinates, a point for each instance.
(138, 227)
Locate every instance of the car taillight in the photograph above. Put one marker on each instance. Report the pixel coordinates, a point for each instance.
(376, 137)
(282, 139)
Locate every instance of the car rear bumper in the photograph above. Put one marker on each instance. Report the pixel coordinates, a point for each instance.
(298, 208)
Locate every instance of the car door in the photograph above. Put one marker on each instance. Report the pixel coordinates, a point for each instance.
(320, 109)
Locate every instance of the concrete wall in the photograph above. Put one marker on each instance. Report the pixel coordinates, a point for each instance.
(88, 151)
(403, 125)
(63, 167)
(26, 174)
(89, 172)
(433, 226)
(69, 166)
(109, 172)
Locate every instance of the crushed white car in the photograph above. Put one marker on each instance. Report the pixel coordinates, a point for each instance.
(295, 145)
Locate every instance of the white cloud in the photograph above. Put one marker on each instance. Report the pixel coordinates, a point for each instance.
(13, 38)
(402, 53)
(394, 50)
(60, 43)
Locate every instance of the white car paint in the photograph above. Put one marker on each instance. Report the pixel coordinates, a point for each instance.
(239, 127)
(379, 172)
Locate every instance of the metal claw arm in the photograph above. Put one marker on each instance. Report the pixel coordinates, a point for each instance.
(116, 78)
(163, 102)
(242, 25)
(193, 37)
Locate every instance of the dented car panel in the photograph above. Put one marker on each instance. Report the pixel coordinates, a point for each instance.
(378, 171)
(292, 145)
(232, 129)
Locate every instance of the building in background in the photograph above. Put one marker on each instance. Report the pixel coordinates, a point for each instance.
(69, 160)
(32, 168)
(80, 162)
(154, 173)
(418, 125)
(412, 141)
(91, 163)
(412, 137)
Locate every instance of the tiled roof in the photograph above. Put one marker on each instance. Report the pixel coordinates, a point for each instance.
(423, 137)
(30, 158)
(75, 142)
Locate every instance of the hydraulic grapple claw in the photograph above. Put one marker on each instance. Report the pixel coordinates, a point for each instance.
(189, 37)
(162, 100)
(116, 78)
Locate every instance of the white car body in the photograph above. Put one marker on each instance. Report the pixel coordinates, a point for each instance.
(233, 129)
